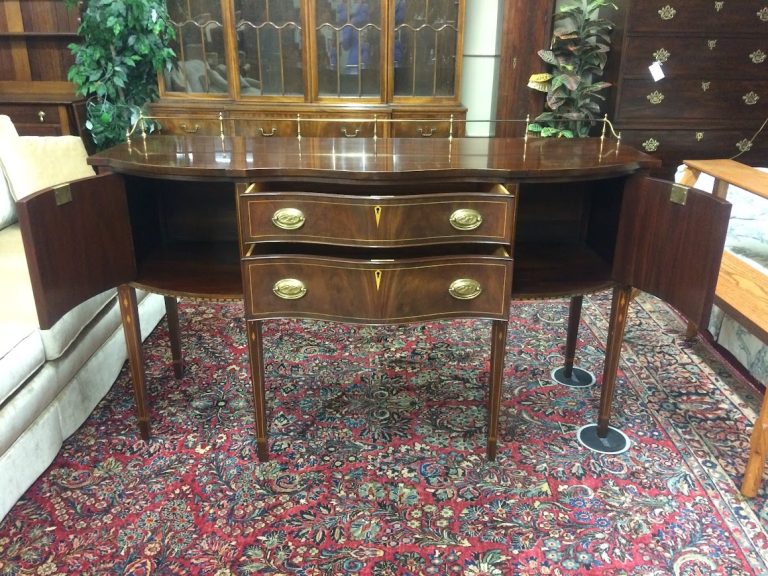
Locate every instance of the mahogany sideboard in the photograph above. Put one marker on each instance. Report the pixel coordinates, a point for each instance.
(373, 231)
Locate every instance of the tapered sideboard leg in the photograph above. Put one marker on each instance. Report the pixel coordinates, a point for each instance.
(498, 351)
(129, 311)
(568, 374)
(174, 334)
(256, 353)
(601, 437)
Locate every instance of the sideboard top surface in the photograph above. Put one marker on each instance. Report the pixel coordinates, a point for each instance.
(368, 159)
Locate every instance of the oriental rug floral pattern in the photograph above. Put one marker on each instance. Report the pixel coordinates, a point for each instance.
(377, 441)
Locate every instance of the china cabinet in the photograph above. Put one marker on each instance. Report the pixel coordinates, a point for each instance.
(342, 68)
(713, 96)
(34, 60)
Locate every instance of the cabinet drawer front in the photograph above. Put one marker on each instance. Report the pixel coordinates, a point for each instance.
(190, 125)
(673, 146)
(746, 16)
(425, 125)
(37, 119)
(374, 292)
(379, 222)
(694, 99)
(265, 127)
(697, 56)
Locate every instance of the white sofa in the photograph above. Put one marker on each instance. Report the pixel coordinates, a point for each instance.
(50, 380)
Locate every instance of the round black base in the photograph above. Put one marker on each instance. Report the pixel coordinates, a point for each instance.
(615, 442)
(580, 378)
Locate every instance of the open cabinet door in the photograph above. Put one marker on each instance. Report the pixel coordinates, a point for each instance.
(78, 243)
(670, 244)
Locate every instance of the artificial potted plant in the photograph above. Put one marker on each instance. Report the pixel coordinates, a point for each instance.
(581, 41)
(124, 43)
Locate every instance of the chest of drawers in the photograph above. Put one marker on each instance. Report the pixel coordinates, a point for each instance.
(713, 97)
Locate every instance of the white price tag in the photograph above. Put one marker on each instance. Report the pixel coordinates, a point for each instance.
(656, 71)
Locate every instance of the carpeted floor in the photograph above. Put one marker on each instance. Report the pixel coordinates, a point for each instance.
(377, 443)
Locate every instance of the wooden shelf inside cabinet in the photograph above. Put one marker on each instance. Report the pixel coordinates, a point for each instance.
(558, 269)
(208, 270)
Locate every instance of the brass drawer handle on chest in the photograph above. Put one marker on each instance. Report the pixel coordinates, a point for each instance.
(466, 219)
(288, 218)
(655, 97)
(751, 98)
(189, 130)
(667, 12)
(348, 135)
(465, 289)
(267, 135)
(425, 134)
(651, 145)
(289, 289)
(41, 115)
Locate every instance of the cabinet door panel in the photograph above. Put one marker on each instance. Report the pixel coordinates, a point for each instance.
(77, 242)
(669, 249)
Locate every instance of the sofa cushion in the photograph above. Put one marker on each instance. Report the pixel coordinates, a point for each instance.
(17, 305)
(7, 208)
(61, 335)
(21, 355)
(32, 163)
(7, 129)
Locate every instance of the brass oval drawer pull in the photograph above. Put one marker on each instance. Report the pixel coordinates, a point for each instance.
(189, 130)
(352, 135)
(288, 218)
(465, 289)
(41, 115)
(268, 134)
(427, 133)
(289, 289)
(466, 219)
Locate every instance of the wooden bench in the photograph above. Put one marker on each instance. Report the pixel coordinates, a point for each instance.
(742, 292)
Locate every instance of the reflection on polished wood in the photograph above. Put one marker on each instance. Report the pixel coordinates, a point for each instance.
(245, 159)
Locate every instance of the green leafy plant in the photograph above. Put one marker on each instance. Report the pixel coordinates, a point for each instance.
(124, 45)
(580, 44)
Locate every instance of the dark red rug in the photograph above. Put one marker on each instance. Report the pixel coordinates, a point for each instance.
(377, 443)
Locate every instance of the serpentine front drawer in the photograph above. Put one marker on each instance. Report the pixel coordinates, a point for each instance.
(379, 221)
(370, 291)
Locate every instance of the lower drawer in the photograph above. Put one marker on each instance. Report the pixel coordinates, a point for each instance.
(675, 145)
(373, 291)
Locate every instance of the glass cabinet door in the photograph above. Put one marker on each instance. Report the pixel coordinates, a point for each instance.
(269, 47)
(316, 51)
(348, 48)
(426, 42)
(200, 47)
